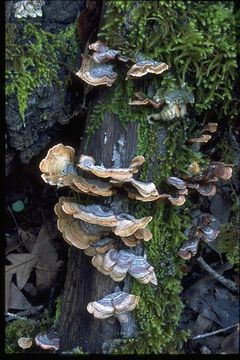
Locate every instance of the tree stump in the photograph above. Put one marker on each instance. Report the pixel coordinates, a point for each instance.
(112, 146)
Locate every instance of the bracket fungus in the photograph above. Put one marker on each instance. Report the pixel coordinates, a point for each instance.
(205, 227)
(72, 229)
(58, 163)
(117, 304)
(96, 74)
(144, 67)
(204, 138)
(102, 53)
(59, 168)
(144, 100)
(100, 246)
(121, 224)
(25, 342)
(204, 182)
(116, 264)
(87, 163)
(49, 340)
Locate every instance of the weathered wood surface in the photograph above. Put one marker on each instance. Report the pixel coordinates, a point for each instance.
(111, 145)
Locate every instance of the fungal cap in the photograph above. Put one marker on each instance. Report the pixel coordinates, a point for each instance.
(48, 340)
(87, 163)
(144, 67)
(189, 248)
(25, 342)
(58, 162)
(113, 305)
(95, 75)
(176, 182)
(202, 139)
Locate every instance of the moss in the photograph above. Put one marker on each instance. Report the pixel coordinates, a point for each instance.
(24, 328)
(32, 59)
(198, 40)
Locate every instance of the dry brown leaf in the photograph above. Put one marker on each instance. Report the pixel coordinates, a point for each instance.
(47, 265)
(22, 265)
(28, 239)
(16, 299)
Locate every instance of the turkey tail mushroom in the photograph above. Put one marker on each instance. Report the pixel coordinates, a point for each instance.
(87, 163)
(116, 264)
(115, 304)
(96, 74)
(144, 67)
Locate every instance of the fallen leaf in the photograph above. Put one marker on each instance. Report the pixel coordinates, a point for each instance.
(28, 239)
(22, 265)
(8, 279)
(47, 266)
(230, 345)
(17, 300)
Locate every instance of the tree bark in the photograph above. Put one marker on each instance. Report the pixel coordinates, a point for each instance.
(111, 145)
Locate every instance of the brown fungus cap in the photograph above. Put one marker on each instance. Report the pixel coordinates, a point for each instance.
(122, 224)
(100, 246)
(49, 340)
(144, 67)
(189, 249)
(202, 139)
(59, 162)
(87, 163)
(96, 74)
(71, 228)
(113, 305)
(116, 264)
(211, 127)
(220, 170)
(102, 53)
(143, 100)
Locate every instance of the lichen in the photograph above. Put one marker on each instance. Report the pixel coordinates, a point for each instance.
(33, 56)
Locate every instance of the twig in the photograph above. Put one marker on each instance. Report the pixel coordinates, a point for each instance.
(226, 282)
(202, 336)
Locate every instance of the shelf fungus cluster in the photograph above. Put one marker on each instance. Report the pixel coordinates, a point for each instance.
(204, 182)
(205, 137)
(116, 264)
(94, 228)
(117, 304)
(94, 70)
(205, 227)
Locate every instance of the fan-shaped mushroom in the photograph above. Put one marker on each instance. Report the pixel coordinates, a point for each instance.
(144, 67)
(144, 100)
(122, 224)
(25, 342)
(189, 249)
(114, 304)
(59, 162)
(118, 263)
(202, 139)
(49, 340)
(100, 247)
(96, 74)
(71, 228)
(201, 229)
(102, 53)
(87, 163)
